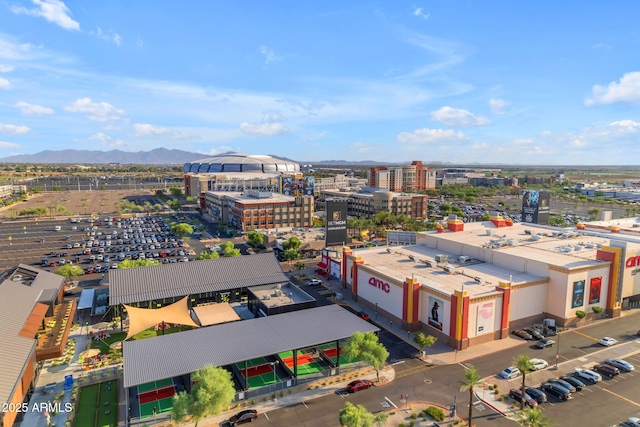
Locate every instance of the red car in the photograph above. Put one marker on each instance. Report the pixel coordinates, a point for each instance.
(358, 385)
(243, 417)
(363, 315)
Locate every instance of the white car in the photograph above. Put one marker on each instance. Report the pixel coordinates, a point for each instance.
(314, 282)
(538, 364)
(587, 374)
(510, 372)
(607, 341)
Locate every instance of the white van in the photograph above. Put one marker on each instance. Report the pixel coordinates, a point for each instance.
(592, 376)
(57, 228)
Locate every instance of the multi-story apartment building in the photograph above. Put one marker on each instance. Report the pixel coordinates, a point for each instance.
(258, 209)
(403, 178)
(370, 201)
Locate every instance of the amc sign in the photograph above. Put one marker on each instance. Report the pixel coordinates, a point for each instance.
(379, 284)
(633, 261)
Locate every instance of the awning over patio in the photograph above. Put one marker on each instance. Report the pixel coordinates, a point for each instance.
(322, 265)
(86, 298)
(212, 314)
(144, 318)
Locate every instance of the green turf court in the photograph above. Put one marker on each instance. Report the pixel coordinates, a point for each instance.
(162, 405)
(98, 406)
(263, 380)
(252, 362)
(153, 385)
(304, 368)
(343, 360)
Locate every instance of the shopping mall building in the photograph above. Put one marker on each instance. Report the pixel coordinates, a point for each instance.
(473, 283)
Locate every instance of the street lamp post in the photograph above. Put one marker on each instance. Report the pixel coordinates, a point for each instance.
(376, 311)
(558, 351)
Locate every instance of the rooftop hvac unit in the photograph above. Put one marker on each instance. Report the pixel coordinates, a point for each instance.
(442, 258)
(412, 258)
(278, 293)
(448, 269)
(589, 246)
(527, 232)
(279, 286)
(389, 250)
(479, 279)
(535, 238)
(577, 248)
(489, 232)
(427, 263)
(513, 242)
(265, 297)
(464, 258)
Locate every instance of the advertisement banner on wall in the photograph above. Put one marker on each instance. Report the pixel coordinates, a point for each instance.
(336, 226)
(286, 186)
(309, 185)
(594, 290)
(577, 299)
(435, 312)
(484, 321)
(535, 206)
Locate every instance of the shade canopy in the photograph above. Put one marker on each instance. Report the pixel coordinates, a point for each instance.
(144, 318)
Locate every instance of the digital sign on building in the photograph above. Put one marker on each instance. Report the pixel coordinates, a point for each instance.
(535, 206)
(336, 228)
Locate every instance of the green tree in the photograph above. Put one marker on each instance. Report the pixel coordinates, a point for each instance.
(533, 417)
(229, 250)
(523, 362)
(255, 238)
(367, 348)
(208, 255)
(424, 341)
(593, 214)
(291, 255)
(69, 271)
(134, 263)
(175, 205)
(471, 381)
(181, 229)
(212, 392)
(157, 208)
(357, 416)
(292, 244)
(175, 192)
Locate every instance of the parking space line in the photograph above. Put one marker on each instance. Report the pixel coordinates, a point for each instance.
(585, 335)
(623, 398)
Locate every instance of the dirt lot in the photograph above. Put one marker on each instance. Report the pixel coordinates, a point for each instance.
(75, 202)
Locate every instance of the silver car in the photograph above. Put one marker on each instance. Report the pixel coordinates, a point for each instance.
(620, 364)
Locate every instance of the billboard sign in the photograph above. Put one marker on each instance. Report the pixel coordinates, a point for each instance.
(594, 290)
(577, 298)
(484, 320)
(286, 186)
(535, 206)
(435, 312)
(336, 228)
(309, 185)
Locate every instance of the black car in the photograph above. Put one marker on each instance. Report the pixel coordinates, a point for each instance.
(556, 390)
(579, 385)
(535, 334)
(522, 334)
(563, 383)
(243, 417)
(536, 394)
(516, 394)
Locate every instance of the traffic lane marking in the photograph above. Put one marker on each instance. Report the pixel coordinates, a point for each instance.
(621, 397)
(585, 335)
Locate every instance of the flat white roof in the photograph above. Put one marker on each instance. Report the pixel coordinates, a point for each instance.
(246, 199)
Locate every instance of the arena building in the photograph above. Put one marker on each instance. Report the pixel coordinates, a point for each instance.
(474, 283)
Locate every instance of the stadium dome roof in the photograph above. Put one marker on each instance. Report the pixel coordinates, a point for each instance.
(242, 163)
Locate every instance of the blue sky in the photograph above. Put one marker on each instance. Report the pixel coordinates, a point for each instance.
(454, 81)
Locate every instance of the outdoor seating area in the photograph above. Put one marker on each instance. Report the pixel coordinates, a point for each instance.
(54, 330)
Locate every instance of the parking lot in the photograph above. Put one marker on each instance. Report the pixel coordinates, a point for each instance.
(95, 245)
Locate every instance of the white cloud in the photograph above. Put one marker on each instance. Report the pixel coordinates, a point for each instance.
(361, 147)
(52, 10)
(626, 90)
(33, 109)
(106, 140)
(264, 129)
(96, 111)
(143, 130)
(419, 12)
(5, 68)
(110, 36)
(498, 106)
(458, 117)
(272, 117)
(5, 84)
(217, 150)
(14, 129)
(431, 136)
(5, 144)
(269, 55)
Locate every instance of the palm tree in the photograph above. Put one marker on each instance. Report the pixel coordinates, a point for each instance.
(523, 362)
(471, 380)
(532, 417)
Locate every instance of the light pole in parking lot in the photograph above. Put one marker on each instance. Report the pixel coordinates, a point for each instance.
(558, 350)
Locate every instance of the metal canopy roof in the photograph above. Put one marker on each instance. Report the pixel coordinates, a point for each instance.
(181, 353)
(131, 285)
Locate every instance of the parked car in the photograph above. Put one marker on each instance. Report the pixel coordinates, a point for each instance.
(537, 394)
(516, 394)
(608, 370)
(608, 341)
(563, 383)
(535, 334)
(587, 374)
(623, 365)
(358, 385)
(314, 282)
(556, 390)
(522, 334)
(510, 372)
(545, 343)
(363, 315)
(243, 417)
(538, 364)
(579, 385)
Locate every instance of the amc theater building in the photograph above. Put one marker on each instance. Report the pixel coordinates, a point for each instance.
(474, 283)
